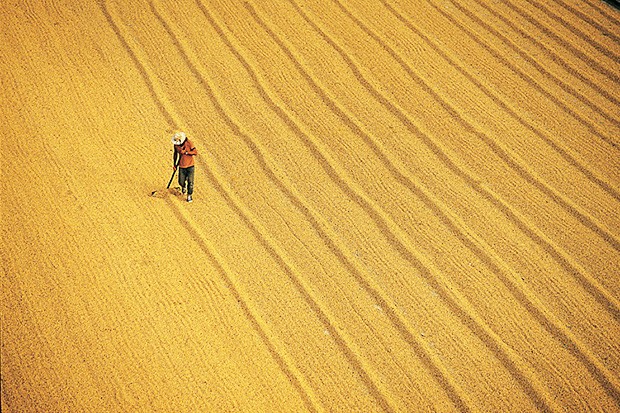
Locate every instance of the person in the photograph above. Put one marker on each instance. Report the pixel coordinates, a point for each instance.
(183, 157)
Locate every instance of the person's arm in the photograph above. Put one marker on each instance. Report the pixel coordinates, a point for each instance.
(192, 149)
(175, 156)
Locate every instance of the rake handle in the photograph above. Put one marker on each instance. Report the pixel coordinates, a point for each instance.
(176, 166)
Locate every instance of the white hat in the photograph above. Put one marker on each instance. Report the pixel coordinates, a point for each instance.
(178, 138)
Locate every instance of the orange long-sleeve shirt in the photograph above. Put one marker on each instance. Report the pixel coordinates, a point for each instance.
(186, 151)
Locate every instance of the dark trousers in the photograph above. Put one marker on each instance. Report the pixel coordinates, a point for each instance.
(186, 176)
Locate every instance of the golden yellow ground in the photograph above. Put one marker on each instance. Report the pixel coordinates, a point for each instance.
(400, 206)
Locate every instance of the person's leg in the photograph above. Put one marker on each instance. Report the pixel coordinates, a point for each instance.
(182, 178)
(190, 180)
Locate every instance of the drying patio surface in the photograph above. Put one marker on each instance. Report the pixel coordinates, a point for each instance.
(399, 206)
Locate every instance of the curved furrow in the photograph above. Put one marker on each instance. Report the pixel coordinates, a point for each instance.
(602, 295)
(582, 217)
(457, 303)
(520, 291)
(557, 58)
(510, 159)
(528, 15)
(280, 357)
(595, 128)
(262, 235)
(351, 246)
(419, 346)
(592, 126)
(501, 102)
(439, 372)
(605, 9)
(270, 173)
(154, 90)
(591, 21)
(261, 328)
(584, 17)
(563, 258)
(568, 45)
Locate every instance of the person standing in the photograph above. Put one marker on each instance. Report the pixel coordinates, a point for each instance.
(183, 157)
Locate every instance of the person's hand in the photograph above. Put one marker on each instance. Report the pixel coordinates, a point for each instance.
(174, 167)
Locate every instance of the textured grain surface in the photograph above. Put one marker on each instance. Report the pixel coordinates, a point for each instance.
(400, 206)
